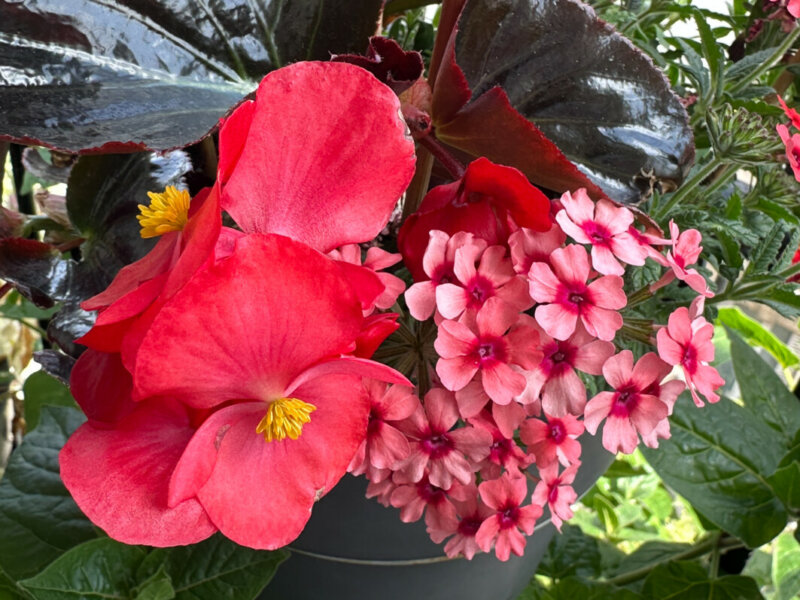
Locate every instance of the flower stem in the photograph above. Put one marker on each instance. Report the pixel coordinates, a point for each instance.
(687, 188)
(453, 166)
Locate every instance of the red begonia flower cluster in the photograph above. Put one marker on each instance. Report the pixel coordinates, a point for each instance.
(223, 383)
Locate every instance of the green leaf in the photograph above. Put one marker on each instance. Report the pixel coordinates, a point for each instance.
(757, 335)
(9, 589)
(215, 568)
(41, 389)
(783, 299)
(786, 567)
(101, 568)
(712, 52)
(718, 458)
(786, 480)
(744, 68)
(38, 518)
(763, 392)
(622, 468)
(573, 588)
(649, 553)
(571, 553)
(18, 307)
(157, 587)
(685, 580)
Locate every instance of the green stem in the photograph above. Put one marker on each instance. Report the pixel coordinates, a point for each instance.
(713, 567)
(687, 188)
(701, 548)
(789, 271)
(766, 65)
(721, 178)
(394, 7)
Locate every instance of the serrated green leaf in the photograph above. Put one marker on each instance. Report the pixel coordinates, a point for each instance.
(41, 389)
(684, 580)
(571, 553)
(786, 567)
(718, 458)
(712, 52)
(213, 569)
(731, 251)
(39, 520)
(763, 392)
(101, 568)
(757, 335)
(776, 211)
(767, 250)
(745, 68)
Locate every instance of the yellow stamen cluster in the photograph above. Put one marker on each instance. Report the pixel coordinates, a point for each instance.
(168, 211)
(285, 418)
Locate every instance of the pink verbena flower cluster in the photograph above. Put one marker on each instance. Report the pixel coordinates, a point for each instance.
(524, 315)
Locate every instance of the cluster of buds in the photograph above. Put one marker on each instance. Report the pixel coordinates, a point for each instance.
(526, 294)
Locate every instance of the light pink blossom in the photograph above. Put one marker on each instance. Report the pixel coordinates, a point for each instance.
(471, 512)
(685, 251)
(687, 343)
(528, 246)
(556, 491)
(605, 227)
(792, 143)
(504, 454)
(554, 377)
(484, 345)
(495, 276)
(628, 410)
(505, 528)
(667, 392)
(565, 296)
(438, 262)
(438, 449)
(415, 498)
(554, 440)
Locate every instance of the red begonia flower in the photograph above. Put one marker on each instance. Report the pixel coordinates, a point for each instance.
(321, 155)
(480, 203)
(217, 365)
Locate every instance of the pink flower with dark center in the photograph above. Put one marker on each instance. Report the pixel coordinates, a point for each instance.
(565, 296)
(384, 445)
(687, 343)
(605, 227)
(471, 512)
(438, 264)
(494, 277)
(667, 392)
(647, 241)
(554, 440)
(435, 448)
(528, 246)
(381, 487)
(483, 345)
(503, 453)
(415, 498)
(628, 410)
(792, 143)
(510, 520)
(554, 377)
(556, 491)
(473, 398)
(685, 251)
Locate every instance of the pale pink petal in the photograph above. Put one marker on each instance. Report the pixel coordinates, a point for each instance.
(421, 300)
(557, 321)
(596, 410)
(604, 262)
(451, 300)
(571, 264)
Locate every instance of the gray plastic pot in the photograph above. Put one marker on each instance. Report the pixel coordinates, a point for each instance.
(355, 549)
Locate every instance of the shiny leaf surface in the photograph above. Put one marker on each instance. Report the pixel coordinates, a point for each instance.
(126, 75)
(684, 579)
(585, 87)
(718, 458)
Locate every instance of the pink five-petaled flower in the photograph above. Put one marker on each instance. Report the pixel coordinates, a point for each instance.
(438, 264)
(685, 251)
(687, 343)
(792, 143)
(435, 448)
(510, 520)
(385, 445)
(528, 247)
(503, 453)
(553, 440)
(556, 491)
(495, 276)
(667, 392)
(471, 512)
(605, 227)
(554, 377)
(564, 296)
(483, 345)
(326, 185)
(415, 498)
(242, 424)
(628, 410)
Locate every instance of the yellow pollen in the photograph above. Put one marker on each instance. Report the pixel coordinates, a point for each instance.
(168, 211)
(285, 418)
